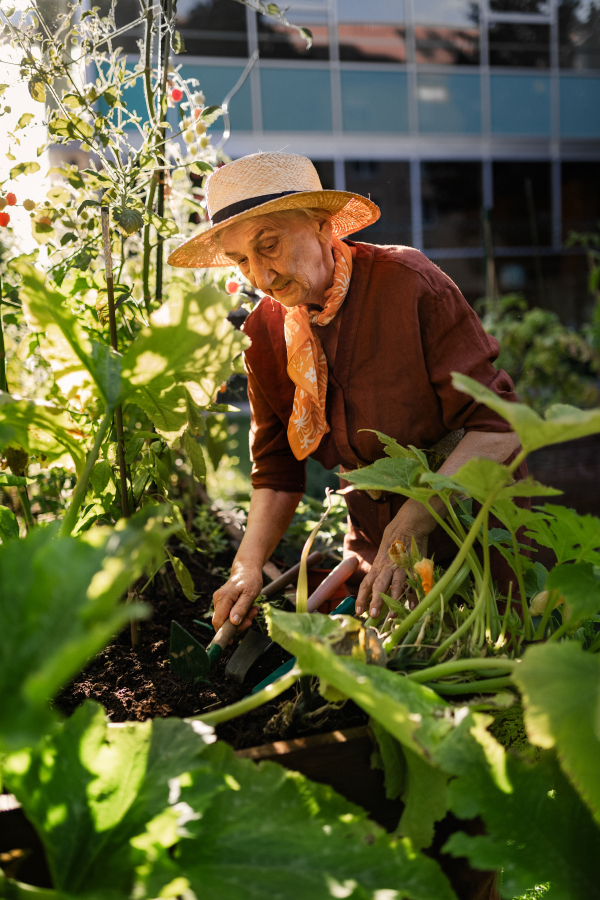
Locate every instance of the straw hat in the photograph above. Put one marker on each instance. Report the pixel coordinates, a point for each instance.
(263, 183)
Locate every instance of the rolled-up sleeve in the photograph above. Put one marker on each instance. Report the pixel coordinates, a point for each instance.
(454, 341)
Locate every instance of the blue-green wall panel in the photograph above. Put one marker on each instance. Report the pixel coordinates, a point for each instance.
(374, 101)
(520, 104)
(449, 103)
(296, 99)
(580, 107)
(216, 82)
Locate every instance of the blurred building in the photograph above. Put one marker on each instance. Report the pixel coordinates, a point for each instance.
(443, 111)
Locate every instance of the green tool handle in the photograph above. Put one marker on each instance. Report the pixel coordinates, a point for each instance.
(222, 638)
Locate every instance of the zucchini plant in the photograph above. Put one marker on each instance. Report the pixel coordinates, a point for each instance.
(441, 675)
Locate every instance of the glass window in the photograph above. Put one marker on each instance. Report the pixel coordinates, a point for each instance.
(519, 44)
(213, 27)
(449, 103)
(278, 42)
(530, 7)
(326, 173)
(216, 82)
(296, 99)
(451, 197)
(447, 32)
(387, 183)
(467, 273)
(125, 11)
(520, 104)
(580, 196)
(374, 101)
(579, 34)
(522, 212)
(361, 42)
(580, 107)
(376, 11)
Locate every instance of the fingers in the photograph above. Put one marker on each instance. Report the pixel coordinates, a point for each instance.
(241, 609)
(387, 580)
(223, 600)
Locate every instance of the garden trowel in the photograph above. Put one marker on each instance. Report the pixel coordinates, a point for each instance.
(192, 662)
(256, 644)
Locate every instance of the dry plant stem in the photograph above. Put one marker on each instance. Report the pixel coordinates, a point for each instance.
(253, 701)
(302, 588)
(461, 665)
(440, 586)
(146, 250)
(112, 320)
(68, 523)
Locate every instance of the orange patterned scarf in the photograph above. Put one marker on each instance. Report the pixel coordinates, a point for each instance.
(307, 364)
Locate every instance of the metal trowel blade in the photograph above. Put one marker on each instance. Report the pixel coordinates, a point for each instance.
(188, 658)
(253, 646)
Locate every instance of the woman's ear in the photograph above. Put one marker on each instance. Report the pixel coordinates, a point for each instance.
(325, 229)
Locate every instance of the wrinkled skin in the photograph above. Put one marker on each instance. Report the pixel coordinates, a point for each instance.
(288, 263)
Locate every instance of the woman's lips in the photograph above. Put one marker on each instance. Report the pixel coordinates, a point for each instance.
(284, 289)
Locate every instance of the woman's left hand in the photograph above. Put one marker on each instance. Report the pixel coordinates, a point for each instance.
(385, 577)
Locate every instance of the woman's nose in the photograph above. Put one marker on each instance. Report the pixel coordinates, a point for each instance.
(263, 276)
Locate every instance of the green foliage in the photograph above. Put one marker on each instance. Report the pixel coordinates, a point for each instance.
(547, 361)
(561, 691)
(537, 828)
(560, 423)
(59, 606)
(152, 807)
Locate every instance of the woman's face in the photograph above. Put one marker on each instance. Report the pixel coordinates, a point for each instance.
(285, 260)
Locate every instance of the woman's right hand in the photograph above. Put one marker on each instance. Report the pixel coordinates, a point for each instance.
(235, 600)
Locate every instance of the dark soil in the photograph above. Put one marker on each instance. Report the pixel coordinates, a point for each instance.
(140, 684)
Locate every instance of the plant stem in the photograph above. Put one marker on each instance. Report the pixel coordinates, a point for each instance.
(19, 891)
(550, 604)
(70, 518)
(253, 701)
(3, 382)
(500, 640)
(26, 506)
(489, 686)
(521, 583)
(162, 105)
(445, 580)
(460, 665)
(461, 629)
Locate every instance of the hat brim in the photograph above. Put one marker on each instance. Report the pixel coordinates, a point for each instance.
(350, 212)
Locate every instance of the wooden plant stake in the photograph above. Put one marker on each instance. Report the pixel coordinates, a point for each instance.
(112, 322)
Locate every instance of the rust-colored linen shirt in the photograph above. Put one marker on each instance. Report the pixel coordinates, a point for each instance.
(402, 330)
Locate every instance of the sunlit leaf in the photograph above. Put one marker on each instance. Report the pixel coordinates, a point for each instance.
(561, 691)
(561, 422)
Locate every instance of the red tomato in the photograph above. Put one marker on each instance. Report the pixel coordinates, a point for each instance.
(4, 219)
(232, 287)
(176, 95)
(11, 199)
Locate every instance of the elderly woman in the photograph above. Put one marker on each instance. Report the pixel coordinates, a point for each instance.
(349, 339)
